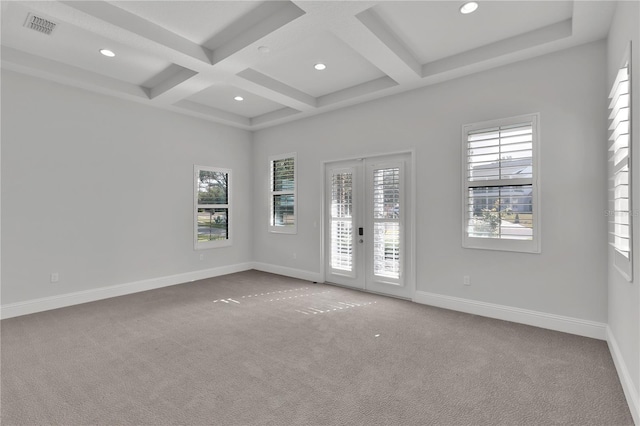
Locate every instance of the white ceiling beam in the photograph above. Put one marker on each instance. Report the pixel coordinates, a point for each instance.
(371, 19)
(252, 27)
(169, 86)
(230, 56)
(500, 51)
(376, 44)
(267, 87)
(199, 74)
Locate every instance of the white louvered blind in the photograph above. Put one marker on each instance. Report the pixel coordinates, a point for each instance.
(500, 182)
(386, 222)
(342, 221)
(283, 193)
(620, 163)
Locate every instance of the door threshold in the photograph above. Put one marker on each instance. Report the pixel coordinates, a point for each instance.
(363, 290)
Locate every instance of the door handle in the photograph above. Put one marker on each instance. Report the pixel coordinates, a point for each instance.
(361, 231)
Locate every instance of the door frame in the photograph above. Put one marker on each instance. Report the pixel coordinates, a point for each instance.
(410, 238)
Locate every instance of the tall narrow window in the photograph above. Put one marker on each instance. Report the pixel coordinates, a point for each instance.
(500, 194)
(212, 207)
(342, 221)
(620, 169)
(386, 222)
(283, 194)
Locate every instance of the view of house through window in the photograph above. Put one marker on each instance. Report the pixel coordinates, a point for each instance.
(212, 207)
(500, 184)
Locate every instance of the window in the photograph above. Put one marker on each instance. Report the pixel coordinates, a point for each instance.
(342, 221)
(212, 207)
(283, 194)
(501, 209)
(387, 219)
(619, 213)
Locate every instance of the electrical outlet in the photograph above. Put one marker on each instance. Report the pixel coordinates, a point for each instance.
(466, 280)
(55, 277)
(201, 256)
(295, 256)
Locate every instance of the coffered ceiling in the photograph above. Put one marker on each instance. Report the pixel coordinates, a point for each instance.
(195, 57)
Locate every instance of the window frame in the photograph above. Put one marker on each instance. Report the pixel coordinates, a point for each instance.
(204, 245)
(273, 227)
(371, 220)
(624, 264)
(522, 246)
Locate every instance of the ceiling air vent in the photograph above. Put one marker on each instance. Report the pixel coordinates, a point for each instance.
(40, 24)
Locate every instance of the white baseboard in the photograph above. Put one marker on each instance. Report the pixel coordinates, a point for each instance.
(629, 388)
(60, 301)
(288, 272)
(570, 325)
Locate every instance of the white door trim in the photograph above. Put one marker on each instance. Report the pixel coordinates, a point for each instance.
(410, 237)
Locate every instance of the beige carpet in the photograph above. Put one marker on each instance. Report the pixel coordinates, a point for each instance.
(260, 349)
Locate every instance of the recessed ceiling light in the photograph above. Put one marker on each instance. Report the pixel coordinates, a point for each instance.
(320, 67)
(107, 52)
(239, 98)
(468, 7)
(264, 49)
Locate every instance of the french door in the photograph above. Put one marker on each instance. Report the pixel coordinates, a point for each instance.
(368, 226)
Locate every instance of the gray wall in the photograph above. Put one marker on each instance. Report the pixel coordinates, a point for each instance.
(566, 88)
(100, 190)
(624, 297)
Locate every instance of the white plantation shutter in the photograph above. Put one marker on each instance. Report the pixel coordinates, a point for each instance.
(387, 210)
(342, 235)
(283, 193)
(504, 152)
(620, 216)
(500, 185)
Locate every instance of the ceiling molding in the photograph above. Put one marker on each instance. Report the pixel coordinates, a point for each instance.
(357, 91)
(36, 66)
(213, 114)
(274, 116)
(499, 49)
(372, 49)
